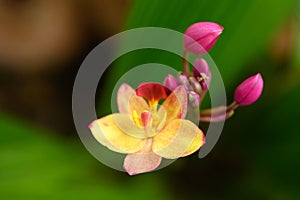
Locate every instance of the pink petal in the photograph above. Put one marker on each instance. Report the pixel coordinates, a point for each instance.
(142, 161)
(138, 163)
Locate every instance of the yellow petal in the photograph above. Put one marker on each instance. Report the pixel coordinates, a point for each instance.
(108, 131)
(198, 142)
(128, 101)
(160, 119)
(175, 105)
(178, 138)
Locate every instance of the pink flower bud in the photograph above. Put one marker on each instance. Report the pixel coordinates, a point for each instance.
(201, 67)
(201, 70)
(183, 80)
(194, 99)
(195, 85)
(249, 90)
(170, 82)
(200, 37)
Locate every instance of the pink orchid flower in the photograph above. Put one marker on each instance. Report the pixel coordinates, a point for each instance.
(147, 132)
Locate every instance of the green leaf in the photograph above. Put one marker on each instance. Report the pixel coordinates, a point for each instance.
(37, 165)
(297, 52)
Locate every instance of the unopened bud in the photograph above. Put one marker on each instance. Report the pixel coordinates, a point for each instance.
(195, 85)
(200, 37)
(194, 99)
(183, 80)
(170, 82)
(202, 73)
(201, 67)
(249, 90)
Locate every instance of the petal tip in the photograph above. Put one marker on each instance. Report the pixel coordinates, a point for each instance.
(201, 37)
(130, 173)
(90, 126)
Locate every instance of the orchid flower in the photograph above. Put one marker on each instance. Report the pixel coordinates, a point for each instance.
(147, 132)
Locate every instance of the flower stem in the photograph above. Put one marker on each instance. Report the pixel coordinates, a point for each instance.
(220, 113)
(232, 106)
(186, 67)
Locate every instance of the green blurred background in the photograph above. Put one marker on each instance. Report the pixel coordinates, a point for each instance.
(42, 44)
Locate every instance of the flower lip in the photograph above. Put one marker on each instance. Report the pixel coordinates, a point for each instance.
(153, 92)
(249, 90)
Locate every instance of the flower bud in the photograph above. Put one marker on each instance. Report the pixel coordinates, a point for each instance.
(200, 37)
(249, 90)
(194, 99)
(205, 82)
(201, 67)
(183, 80)
(195, 85)
(170, 82)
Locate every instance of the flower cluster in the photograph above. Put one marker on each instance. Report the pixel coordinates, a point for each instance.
(147, 131)
(199, 38)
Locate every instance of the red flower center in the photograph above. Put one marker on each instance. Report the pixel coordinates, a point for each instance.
(153, 92)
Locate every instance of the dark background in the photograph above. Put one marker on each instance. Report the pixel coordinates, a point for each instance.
(42, 45)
